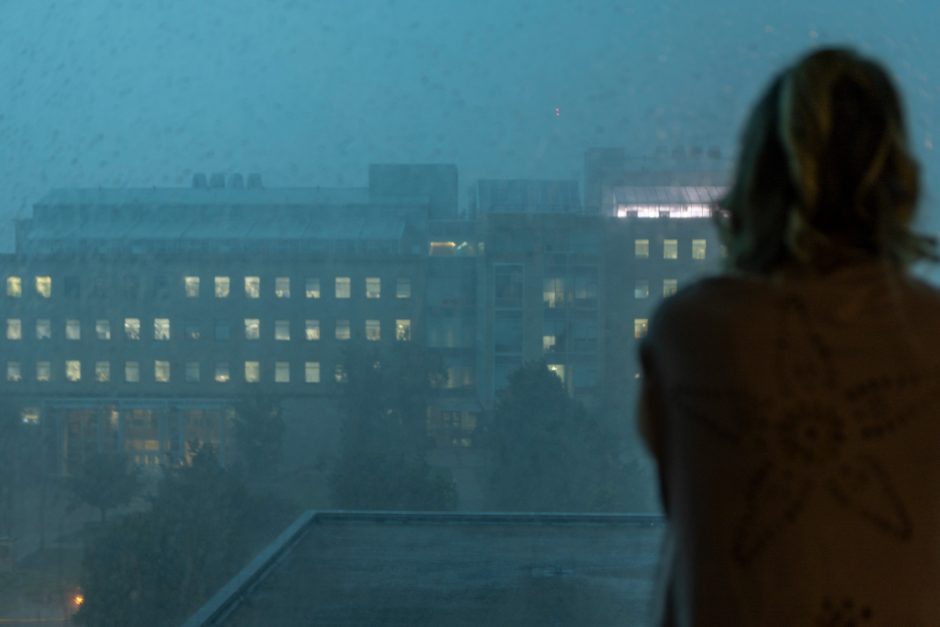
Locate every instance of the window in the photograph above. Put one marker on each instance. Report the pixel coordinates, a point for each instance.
(339, 374)
(103, 329)
(191, 330)
(723, 251)
(191, 374)
(130, 285)
(403, 287)
(670, 287)
(72, 287)
(73, 370)
(132, 371)
(312, 287)
(43, 371)
(223, 286)
(373, 330)
(221, 372)
(100, 288)
(282, 330)
(43, 329)
(73, 330)
(191, 286)
(553, 292)
(161, 328)
(161, 371)
(373, 287)
(507, 284)
(252, 372)
(30, 416)
(14, 286)
(14, 373)
(14, 329)
(312, 330)
(132, 328)
(640, 327)
(641, 248)
(342, 330)
(282, 287)
(102, 371)
(548, 343)
(312, 372)
(252, 329)
(403, 330)
(252, 287)
(698, 248)
(343, 287)
(641, 289)
(282, 372)
(44, 286)
(558, 370)
(670, 249)
(221, 330)
(160, 286)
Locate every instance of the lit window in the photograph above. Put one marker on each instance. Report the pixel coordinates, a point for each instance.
(282, 330)
(343, 287)
(192, 372)
(73, 330)
(342, 330)
(30, 416)
(132, 328)
(161, 328)
(102, 371)
(339, 374)
(698, 248)
(373, 287)
(312, 287)
(252, 371)
(191, 330)
(132, 371)
(14, 329)
(670, 287)
(312, 372)
(282, 372)
(73, 370)
(553, 292)
(14, 373)
(14, 286)
(43, 329)
(43, 371)
(221, 372)
(548, 343)
(221, 330)
(161, 371)
(640, 326)
(312, 330)
(191, 284)
(282, 287)
(252, 287)
(403, 288)
(373, 330)
(670, 249)
(103, 329)
(558, 370)
(403, 330)
(223, 287)
(252, 329)
(641, 289)
(641, 248)
(44, 286)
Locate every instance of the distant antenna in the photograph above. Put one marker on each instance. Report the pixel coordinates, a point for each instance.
(254, 181)
(217, 180)
(200, 181)
(236, 181)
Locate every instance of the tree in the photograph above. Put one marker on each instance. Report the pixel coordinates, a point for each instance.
(105, 481)
(384, 442)
(259, 433)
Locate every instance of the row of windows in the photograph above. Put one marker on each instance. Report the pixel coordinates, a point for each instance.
(193, 330)
(192, 372)
(641, 248)
(641, 288)
(222, 286)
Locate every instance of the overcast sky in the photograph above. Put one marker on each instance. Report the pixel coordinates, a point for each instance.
(308, 92)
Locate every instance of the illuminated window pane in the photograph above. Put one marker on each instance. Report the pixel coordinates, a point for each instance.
(43, 371)
(73, 330)
(553, 292)
(252, 371)
(403, 288)
(14, 329)
(698, 248)
(342, 330)
(343, 287)
(14, 372)
(312, 287)
(548, 343)
(102, 371)
(161, 371)
(223, 286)
(103, 329)
(282, 372)
(14, 286)
(30, 416)
(191, 330)
(252, 329)
(312, 372)
(252, 287)
(640, 327)
(339, 374)
(670, 287)
(132, 371)
(161, 328)
(403, 330)
(282, 330)
(282, 287)
(641, 289)
(43, 329)
(221, 372)
(670, 249)
(558, 370)
(312, 330)
(44, 286)
(132, 328)
(191, 285)
(73, 370)
(373, 287)
(192, 372)
(641, 248)
(373, 330)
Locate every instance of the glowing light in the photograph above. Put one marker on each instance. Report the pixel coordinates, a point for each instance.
(664, 211)
(557, 112)
(78, 599)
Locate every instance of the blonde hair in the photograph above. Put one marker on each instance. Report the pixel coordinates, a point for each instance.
(825, 176)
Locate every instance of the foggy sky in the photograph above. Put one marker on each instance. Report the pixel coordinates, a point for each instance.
(308, 92)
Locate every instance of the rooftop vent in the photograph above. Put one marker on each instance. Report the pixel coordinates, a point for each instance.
(254, 181)
(236, 181)
(217, 180)
(200, 181)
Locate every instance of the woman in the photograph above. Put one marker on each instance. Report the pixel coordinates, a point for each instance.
(793, 403)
